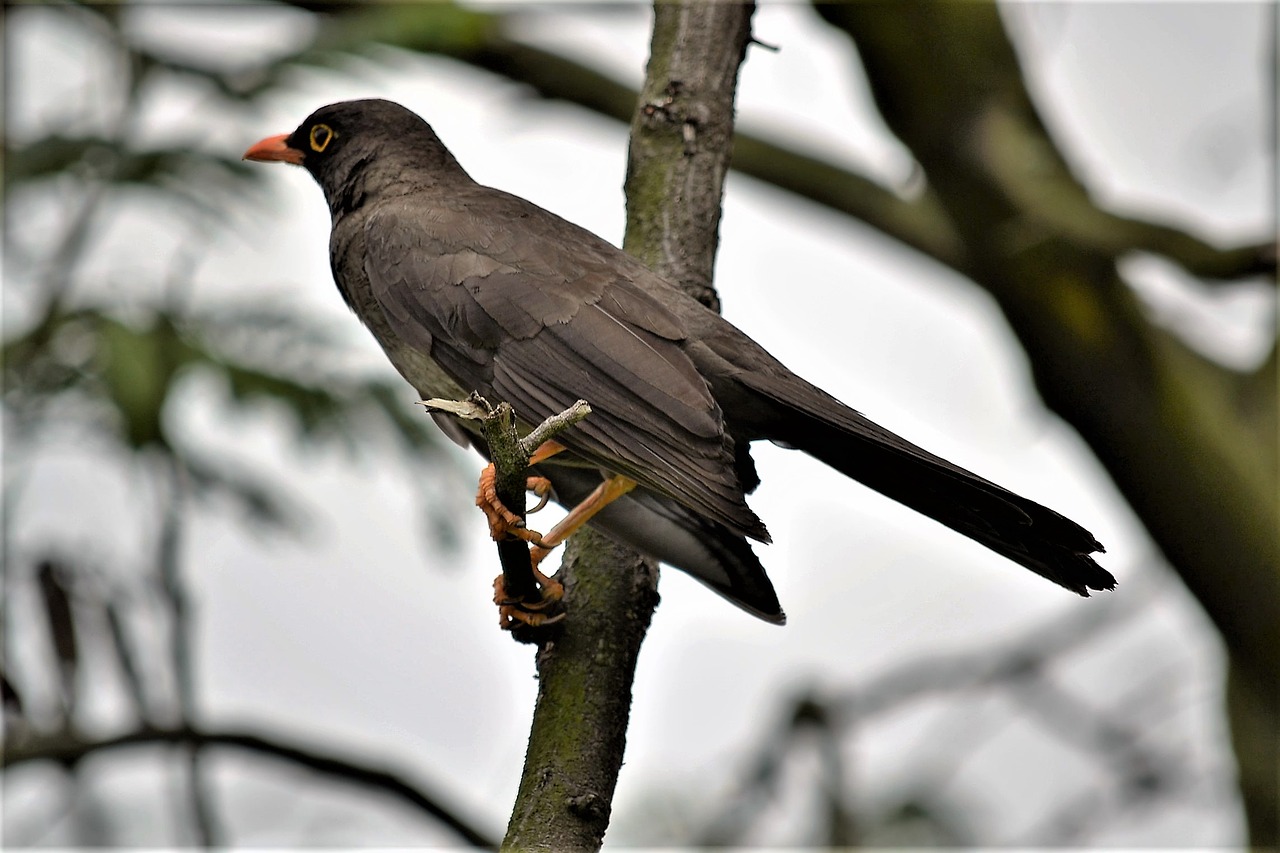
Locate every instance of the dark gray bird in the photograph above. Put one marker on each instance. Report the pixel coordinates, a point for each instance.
(468, 288)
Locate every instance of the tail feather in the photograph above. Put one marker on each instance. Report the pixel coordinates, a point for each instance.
(1031, 535)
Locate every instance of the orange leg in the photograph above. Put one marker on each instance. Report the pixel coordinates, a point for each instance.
(541, 486)
(502, 521)
(512, 613)
(545, 451)
(606, 493)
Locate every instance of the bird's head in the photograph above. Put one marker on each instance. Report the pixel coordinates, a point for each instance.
(361, 146)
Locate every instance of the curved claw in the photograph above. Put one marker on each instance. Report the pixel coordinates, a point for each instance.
(510, 618)
(541, 487)
(514, 612)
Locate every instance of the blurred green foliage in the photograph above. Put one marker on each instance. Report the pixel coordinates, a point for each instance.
(97, 351)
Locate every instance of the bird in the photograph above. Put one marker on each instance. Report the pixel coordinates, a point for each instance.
(471, 289)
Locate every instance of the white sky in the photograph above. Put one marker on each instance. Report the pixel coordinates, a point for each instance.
(368, 644)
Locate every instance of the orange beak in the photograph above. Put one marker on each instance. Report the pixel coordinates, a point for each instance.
(274, 150)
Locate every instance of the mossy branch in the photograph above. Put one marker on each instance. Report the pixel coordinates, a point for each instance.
(680, 151)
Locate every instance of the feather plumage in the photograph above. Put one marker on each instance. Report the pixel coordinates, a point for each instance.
(468, 288)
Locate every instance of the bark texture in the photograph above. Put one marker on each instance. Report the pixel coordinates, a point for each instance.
(681, 139)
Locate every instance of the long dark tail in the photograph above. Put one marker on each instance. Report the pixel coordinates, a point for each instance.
(1032, 535)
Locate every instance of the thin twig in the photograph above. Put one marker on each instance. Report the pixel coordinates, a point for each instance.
(547, 430)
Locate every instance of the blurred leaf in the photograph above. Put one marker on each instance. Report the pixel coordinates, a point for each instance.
(138, 367)
(285, 358)
(427, 27)
(280, 342)
(418, 432)
(134, 367)
(361, 29)
(314, 409)
(50, 156)
(304, 377)
(238, 85)
(117, 163)
(36, 362)
(261, 502)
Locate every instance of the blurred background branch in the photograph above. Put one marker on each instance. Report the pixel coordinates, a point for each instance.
(68, 750)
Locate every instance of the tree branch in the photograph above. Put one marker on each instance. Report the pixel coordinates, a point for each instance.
(67, 748)
(1028, 169)
(1020, 667)
(1170, 430)
(1162, 421)
(680, 148)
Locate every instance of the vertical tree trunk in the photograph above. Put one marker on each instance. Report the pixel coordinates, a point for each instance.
(681, 139)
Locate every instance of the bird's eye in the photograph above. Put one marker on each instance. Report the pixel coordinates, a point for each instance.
(321, 136)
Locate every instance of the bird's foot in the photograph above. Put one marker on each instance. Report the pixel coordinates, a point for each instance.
(504, 523)
(545, 610)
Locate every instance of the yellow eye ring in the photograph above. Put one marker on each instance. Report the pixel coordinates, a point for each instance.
(321, 136)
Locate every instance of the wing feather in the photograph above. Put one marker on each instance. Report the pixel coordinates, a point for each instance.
(540, 325)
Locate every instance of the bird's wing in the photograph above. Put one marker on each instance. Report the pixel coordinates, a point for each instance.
(542, 314)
